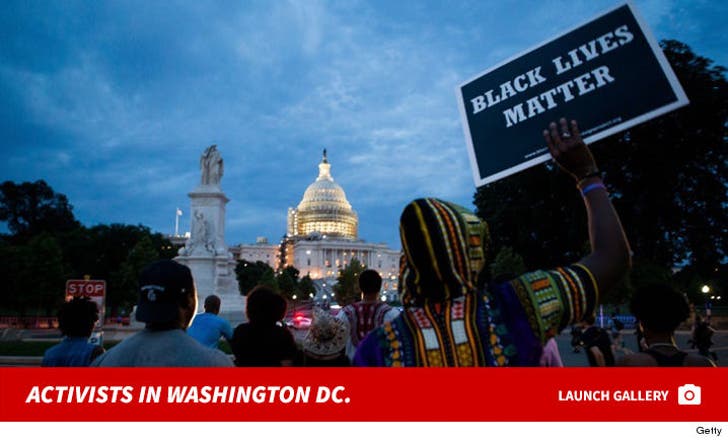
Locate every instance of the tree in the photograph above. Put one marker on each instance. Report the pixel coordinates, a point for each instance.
(44, 276)
(250, 274)
(48, 245)
(32, 208)
(287, 281)
(100, 251)
(537, 213)
(305, 287)
(268, 278)
(123, 289)
(507, 262)
(346, 289)
(14, 273)
(691, 282)
(668, 189)
(666, 178)
(645, 273)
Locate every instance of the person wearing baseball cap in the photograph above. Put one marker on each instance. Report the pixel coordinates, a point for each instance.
(167, 304)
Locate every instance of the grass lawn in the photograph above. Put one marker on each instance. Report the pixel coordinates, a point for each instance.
(37, 348)
(32, 348)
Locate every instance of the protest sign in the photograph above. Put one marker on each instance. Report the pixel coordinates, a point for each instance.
(609, 73)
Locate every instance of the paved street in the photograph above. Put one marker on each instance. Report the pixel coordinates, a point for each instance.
(569, 358)
(572, 359)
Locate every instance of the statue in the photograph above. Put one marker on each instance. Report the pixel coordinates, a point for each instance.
(200, 237)
(211, 166)
(200, 229)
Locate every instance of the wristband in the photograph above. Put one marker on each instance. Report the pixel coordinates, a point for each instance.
(596, 174)
(591, 187)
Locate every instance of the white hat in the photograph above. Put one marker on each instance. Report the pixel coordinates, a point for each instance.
(326, 339)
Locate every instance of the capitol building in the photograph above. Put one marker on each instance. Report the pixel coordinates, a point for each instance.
(322, 238)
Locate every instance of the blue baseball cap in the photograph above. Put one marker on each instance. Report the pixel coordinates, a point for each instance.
(164, 286)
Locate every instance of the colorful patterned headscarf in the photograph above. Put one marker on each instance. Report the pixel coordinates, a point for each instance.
(444, 249)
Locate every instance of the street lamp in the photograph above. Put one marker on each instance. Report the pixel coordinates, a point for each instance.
(705, 289)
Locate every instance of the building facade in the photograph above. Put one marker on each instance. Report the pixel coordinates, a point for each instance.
(323, 238)
(260, 251)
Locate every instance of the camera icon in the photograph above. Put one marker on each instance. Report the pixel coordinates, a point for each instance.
(688, 394)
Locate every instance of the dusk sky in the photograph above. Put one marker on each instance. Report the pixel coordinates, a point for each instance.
(112, 103)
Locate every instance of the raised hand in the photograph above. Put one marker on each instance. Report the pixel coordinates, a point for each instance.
(569, 150)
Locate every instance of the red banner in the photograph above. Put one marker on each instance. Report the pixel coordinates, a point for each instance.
(357, 394)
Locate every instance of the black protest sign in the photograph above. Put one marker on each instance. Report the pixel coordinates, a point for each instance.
(609, 74)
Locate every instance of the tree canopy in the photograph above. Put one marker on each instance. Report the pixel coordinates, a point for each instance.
(667, 178)
(250, 274)
(305, 287)
(285, 281)
(288, 281)
(346, 289)
(47, 246)
(33, 208)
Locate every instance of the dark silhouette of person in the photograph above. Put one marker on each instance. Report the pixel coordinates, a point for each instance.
(703, 337)
(660, 310)
(576, 332)
(76, 319)
(367, 314)
(263, 341)
(167, 303)
(208, 327)
(597, 344)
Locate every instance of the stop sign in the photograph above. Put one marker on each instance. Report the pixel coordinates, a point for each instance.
(80, 287)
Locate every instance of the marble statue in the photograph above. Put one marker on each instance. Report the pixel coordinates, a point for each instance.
(201, 236)
(211, 166)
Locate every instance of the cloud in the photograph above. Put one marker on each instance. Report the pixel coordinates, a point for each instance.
(392, 115)
(253, 217)
(127, 95)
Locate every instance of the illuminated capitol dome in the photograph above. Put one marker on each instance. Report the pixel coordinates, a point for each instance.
(324, 209)
(323, 237)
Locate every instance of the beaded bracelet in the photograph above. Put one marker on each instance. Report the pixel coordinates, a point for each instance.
(591, 187)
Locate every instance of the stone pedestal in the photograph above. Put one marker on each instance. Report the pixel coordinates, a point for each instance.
(207, 255)
(216, 276)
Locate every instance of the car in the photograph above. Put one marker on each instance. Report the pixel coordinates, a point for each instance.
(334, 309)
(299, 321)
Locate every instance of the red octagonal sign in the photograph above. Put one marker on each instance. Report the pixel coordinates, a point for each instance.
(81, 287)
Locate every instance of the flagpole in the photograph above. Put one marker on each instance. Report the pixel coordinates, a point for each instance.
(176, 222)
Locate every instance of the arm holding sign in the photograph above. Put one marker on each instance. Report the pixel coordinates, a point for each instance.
(610, 256)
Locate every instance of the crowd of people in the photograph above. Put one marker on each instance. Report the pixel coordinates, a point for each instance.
(450, 318)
